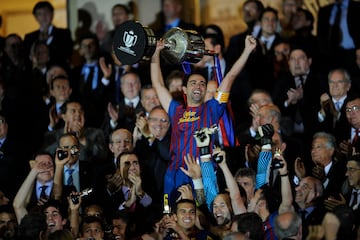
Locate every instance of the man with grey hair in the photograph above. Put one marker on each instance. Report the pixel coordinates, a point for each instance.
(246, 177)
(288, 226)
(327, 169)
(332, 115)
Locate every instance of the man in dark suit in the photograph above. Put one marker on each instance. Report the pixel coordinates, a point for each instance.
(12, 170)
(303, 25)
(93, 83)
(92, 142)
(58, 39)
(124, 114)
(297, 92)
(252, 10)
(329, 170)
(308, 197)
(109, 179)
(153, 150)
(119, 14)
(332, 114)
(353, 176)
(353, 117)
(77, 175)
(338, 34)
(264, 55)
(38, 185)
(171, 17)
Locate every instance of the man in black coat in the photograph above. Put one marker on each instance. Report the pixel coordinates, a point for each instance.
(297, 94)
(332, 115)
(58, 39)
(338, 34)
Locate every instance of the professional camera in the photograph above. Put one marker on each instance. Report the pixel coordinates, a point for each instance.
(62, 154)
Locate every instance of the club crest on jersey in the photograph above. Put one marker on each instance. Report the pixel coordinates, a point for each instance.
(189, 117)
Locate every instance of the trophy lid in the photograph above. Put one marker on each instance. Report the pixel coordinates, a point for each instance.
(132, 41)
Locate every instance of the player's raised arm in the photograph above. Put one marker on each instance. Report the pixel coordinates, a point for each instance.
(157, 77)
(250, 44)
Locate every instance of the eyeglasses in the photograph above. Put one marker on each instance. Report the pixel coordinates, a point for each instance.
(351, 169)
(162, 120)
(354, 108)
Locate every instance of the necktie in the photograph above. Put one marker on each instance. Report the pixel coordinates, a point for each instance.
(337, 106)
(89, 79)
(301, 80)
(355, 199)
(303, 215)
(356, 136)
(70, 180)
(335, 33)
(130, 104)
(43, 192)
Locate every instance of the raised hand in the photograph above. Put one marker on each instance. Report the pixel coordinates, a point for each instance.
(114, 182)
(319, 172)
(250, 43)
(185, 192)
(113, 113)
(299, 168)
(194, 170)
(332, 202)
(53, 116)
(106, 69)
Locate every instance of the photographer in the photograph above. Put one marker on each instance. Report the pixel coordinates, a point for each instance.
(74, 174)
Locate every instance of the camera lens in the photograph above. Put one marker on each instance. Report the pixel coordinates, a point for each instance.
(62, 154)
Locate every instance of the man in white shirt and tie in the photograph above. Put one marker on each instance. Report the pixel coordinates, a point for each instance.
(353, 175)
(331, 116)
(353, 116)
(124, 114)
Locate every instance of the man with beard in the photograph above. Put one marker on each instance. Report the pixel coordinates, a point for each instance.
(223, 213)
(8, 223)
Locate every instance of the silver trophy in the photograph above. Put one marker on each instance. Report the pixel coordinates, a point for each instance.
(134, 42)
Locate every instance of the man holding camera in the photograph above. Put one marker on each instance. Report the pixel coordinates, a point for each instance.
(76, 175)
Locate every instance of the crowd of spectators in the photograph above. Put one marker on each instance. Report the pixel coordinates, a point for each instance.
(259, 141)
